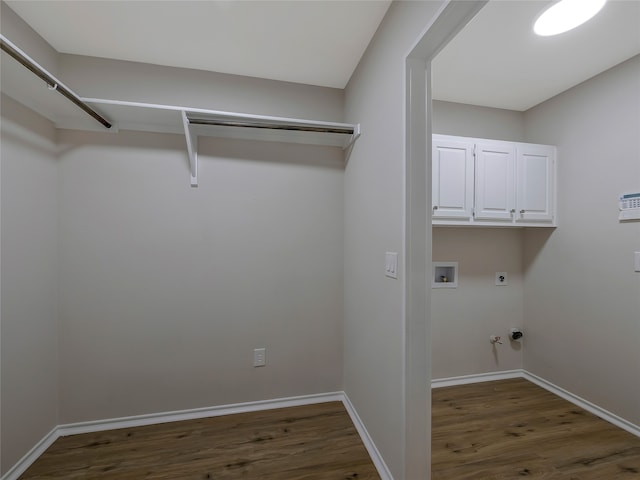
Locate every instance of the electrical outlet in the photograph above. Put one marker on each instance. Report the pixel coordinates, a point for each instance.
(502, 278)
(259, 357)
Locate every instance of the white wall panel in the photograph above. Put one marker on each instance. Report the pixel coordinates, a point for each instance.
(582, 297)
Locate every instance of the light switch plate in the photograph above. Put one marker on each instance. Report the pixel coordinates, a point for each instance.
(259, 357)
(391, 264)
(636, 261)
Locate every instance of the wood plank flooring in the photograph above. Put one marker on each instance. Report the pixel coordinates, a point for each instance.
(511, 429)
(298, 443)
(506, 429)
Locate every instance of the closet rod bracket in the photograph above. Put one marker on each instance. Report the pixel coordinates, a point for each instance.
(349, 146)
(52, 82)
(192, 149)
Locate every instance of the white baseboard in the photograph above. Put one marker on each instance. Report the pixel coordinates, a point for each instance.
(476, 378)
(584, 404)
(32, 455)
(541, 382)
(378, 461)
(155, 418)
(192, 414)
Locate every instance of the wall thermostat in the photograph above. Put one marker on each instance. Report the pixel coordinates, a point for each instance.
(630, 206)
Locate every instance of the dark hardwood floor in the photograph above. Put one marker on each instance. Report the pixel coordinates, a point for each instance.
(298, 443)
(512, 429)
(502, 430)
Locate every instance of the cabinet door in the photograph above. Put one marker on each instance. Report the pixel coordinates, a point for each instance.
(495, 181)
(535, 177)
(452, 185)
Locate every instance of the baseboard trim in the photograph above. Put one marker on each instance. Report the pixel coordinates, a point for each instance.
(155, 418)
(374, 453)
(476, 378)
(32, 455)
(541, 382)
(193, 414)
(584, 404)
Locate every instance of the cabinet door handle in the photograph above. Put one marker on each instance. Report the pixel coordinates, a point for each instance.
(435, 207)
(513, 210)
(521, 211)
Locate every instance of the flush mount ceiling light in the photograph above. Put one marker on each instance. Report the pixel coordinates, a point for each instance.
(565, 15)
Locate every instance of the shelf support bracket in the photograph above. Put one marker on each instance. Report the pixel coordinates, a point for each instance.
(349, 146)
(192, 150)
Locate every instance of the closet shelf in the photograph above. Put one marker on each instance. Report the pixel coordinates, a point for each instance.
(26, 81)
(196, 122)
(215, 123)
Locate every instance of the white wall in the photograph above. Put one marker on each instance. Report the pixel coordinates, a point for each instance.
(451, 118)
(165, 290)
(582, 297)
(26, 38)
(28, 323)
(464, 318)
(374, 332)
(29, 350)
(140, 82)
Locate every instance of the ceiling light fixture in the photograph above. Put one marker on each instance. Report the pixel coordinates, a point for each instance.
(565, 15)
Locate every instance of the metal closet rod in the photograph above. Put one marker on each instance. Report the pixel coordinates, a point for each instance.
(271, 126)
(53, 83)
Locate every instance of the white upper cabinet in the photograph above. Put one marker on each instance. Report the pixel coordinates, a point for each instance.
(495, 181)
(535, 183)
(452, 178)
(492, 183)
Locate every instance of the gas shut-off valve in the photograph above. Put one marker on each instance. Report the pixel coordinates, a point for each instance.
(515, 334)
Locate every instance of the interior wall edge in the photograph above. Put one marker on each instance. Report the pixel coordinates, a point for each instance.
(27, 39)
(29, 357)
(374, 453)
(31, 456)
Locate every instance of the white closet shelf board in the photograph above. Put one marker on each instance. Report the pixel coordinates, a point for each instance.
(213, 123)
(195, 122)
